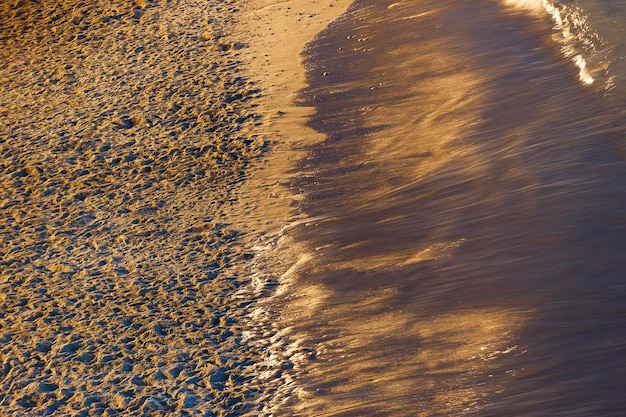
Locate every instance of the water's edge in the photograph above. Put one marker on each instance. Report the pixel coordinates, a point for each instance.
(465, 221)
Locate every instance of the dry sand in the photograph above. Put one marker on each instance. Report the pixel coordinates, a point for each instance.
(127, 133)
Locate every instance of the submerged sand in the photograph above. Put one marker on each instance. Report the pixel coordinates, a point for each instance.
(131, 192)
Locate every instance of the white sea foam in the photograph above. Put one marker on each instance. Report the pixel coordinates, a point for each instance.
(535, 5)
(579, 42)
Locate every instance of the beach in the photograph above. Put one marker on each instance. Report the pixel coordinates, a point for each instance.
(312, 208)
(127, 133)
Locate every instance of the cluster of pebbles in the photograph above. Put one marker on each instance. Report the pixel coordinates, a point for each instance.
(124, 129)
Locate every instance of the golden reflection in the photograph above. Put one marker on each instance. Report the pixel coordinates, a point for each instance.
(375, 355)
(419, 126)
(359, 341)
(387, 357)
(399, 259)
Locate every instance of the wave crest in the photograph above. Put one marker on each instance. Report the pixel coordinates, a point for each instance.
(579, 41)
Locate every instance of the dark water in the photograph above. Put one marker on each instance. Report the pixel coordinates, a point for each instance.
(468, 214)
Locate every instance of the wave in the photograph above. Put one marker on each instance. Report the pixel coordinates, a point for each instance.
(579, 41)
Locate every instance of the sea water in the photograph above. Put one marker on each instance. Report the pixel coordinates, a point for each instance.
(465, 253)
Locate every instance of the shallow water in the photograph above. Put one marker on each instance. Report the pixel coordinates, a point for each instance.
(465, 249)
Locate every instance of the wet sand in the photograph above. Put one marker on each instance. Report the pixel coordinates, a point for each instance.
(127, 134)
(275, 33)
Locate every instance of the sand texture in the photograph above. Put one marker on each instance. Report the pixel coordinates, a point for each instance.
(274, 33)
(124, 129)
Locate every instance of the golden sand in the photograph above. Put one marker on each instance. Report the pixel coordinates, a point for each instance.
(126, 132)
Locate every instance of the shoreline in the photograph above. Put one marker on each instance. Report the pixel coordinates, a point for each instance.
(273, 59)
(428, 188)
(267, 204)
(239, 208)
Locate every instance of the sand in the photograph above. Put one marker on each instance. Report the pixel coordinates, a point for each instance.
(142, 152)
(275, 33)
